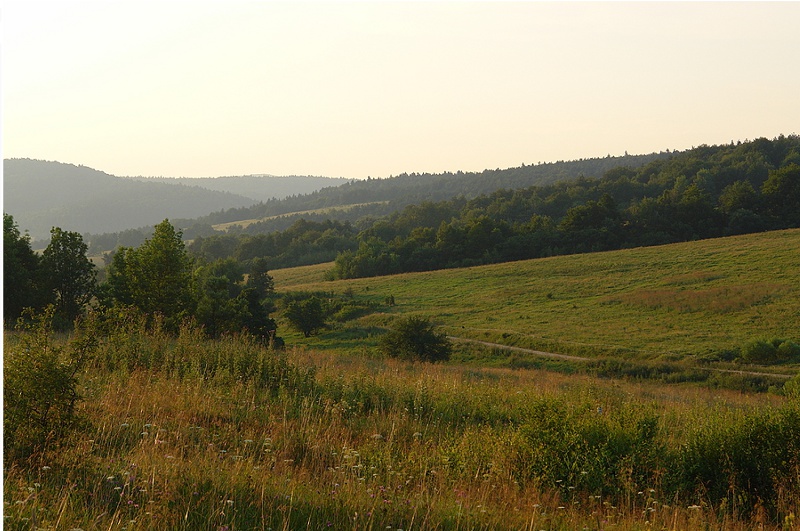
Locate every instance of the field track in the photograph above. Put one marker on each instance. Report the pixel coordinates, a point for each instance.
(521, 349)
(553, 355)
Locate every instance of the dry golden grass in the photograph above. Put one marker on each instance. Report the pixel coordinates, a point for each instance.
(381, 444)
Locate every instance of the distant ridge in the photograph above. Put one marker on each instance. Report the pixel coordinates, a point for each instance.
(261, 187)
(42, 194)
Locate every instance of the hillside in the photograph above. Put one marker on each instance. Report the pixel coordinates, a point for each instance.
(393, 193)
(702, 193)
(681, 301)
(257, 187)
(361, 201)
(41, 194)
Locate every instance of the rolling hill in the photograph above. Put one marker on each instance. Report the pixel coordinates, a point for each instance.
(681, 301)
(42, 194)
(257, 187)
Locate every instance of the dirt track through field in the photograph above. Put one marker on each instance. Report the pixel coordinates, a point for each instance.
(521, 349)
(553, 355)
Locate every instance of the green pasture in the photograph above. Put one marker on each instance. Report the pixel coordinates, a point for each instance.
(666, 303)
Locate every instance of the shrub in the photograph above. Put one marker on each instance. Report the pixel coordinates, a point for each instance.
(40, 385)
(589, 449)
(788, 351)
(746, 461)
(307, 316)
(768, 352)
(415, 339)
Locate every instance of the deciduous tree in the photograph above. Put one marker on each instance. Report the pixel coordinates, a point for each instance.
(69, 274)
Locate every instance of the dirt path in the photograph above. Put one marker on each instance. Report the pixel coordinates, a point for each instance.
(553, 355)
(521, 349)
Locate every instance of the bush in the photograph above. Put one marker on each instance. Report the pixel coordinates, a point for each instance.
(307, 316)
(415, 339)
(40, 385)
(768, 352)
(746, 461)
(587, 448)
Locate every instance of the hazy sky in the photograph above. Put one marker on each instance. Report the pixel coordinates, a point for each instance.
(193, 88)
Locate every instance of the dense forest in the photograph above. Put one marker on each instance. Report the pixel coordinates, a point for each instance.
(361, 202)
(706, 192)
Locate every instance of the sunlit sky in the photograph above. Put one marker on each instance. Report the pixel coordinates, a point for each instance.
(372, 88)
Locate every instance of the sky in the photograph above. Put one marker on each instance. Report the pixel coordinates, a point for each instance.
(355, 89)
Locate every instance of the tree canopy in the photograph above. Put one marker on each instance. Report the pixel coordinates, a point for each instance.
(71, 276)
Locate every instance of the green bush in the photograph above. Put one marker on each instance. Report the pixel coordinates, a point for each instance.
(765, 352)
(40, 385)
(415, 339)
(589, 449)
(788, 351)
(745, 462)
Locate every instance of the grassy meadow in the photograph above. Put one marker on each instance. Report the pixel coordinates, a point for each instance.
(188, 433)
(660, 303)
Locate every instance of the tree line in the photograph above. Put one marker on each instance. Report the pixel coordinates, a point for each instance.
(705, 193)
(158, 279)
(222, 280)
(372, 199)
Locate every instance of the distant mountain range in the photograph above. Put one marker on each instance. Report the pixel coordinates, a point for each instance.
(43, 194)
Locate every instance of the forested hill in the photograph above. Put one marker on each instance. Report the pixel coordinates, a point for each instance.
(704, 192)
(371, 198)
(393, 193)
(42, 194)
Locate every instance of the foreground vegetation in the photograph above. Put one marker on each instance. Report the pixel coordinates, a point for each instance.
(184, 432)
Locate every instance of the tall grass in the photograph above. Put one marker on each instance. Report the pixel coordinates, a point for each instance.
(185, 433)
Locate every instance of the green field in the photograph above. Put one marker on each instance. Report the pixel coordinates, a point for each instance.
(668, 303)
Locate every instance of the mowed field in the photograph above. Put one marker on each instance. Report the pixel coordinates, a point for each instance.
(668, 302)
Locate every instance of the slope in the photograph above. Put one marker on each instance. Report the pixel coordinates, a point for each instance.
(256, 187)
(689, 300)
(41, 194)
